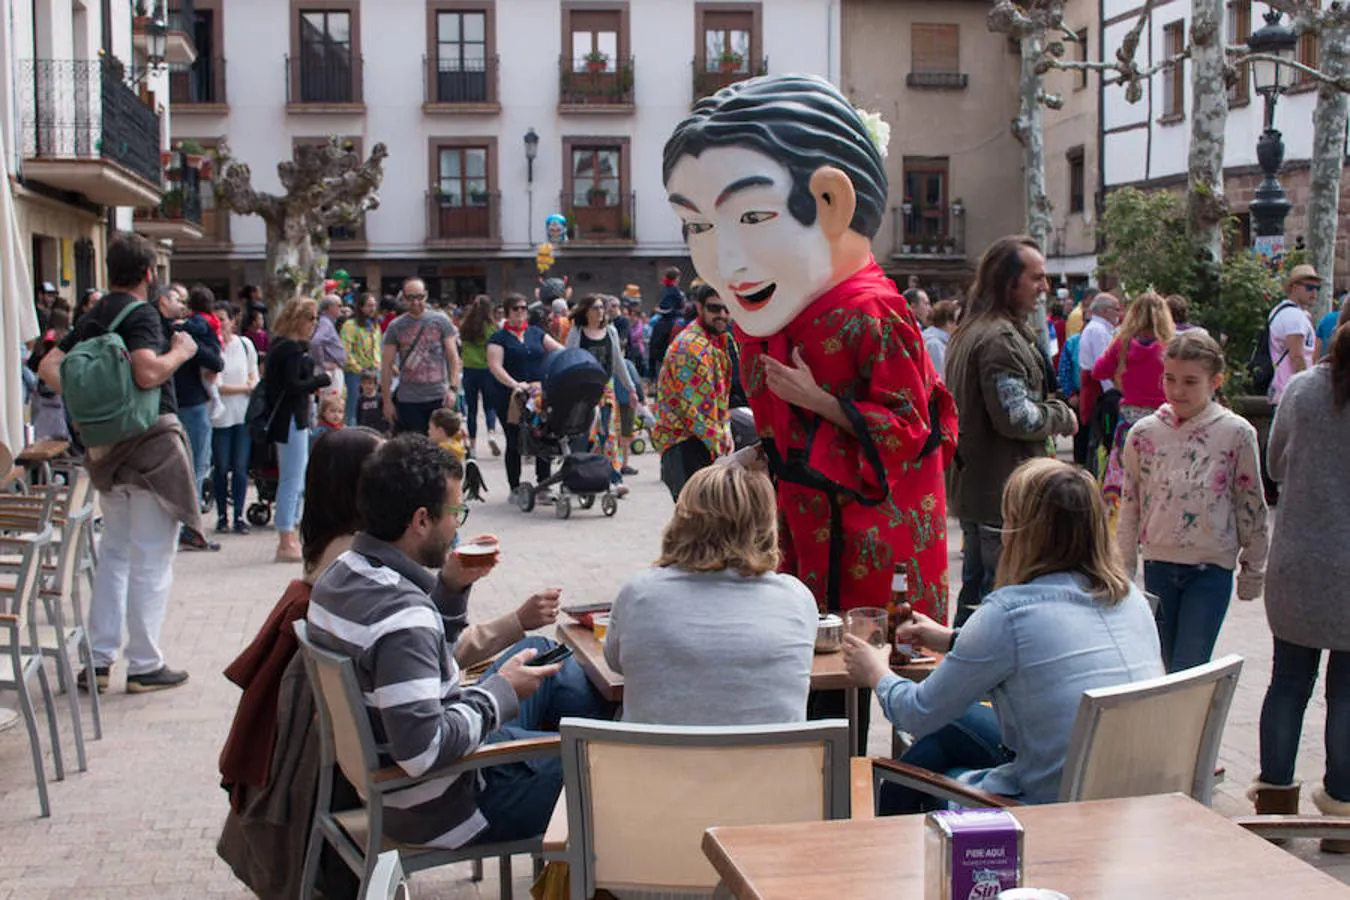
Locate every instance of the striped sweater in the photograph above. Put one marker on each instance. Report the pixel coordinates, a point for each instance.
(398, 622)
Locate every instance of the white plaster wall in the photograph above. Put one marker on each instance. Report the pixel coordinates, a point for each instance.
(798, 35)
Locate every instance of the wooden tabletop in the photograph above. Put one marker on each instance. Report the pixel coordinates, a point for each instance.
(827, 669)
(43, 451)
(1163, 846)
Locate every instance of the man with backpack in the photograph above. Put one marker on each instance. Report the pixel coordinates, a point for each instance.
(115, 371)
(1292, 340)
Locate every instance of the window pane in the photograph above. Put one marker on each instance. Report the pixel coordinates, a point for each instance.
(740, 43)
(474, 54)
(449, 163)
(447, 27)
(581, 45)
(607, 42)
(339, 27)
(475, 163)
(583, 162)
(607, 161)
(476, 192)
(475, 27)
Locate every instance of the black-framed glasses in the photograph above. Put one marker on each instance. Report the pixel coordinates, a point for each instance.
(519, 308)
(415, 296)
(461, 513)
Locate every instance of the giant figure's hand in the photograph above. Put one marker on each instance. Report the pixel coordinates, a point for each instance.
(794, 384)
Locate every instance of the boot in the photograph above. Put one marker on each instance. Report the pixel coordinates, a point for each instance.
(1332, 807)
(1274, 800)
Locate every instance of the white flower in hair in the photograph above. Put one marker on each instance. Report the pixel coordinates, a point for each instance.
(877, 129)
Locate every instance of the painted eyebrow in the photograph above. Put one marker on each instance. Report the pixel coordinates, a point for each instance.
(741, 185)
(682, 200)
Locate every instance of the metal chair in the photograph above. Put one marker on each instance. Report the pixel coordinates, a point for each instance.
(638, 798)
(1149, 737)
(19, 668)
(387, 882)
(348, 744)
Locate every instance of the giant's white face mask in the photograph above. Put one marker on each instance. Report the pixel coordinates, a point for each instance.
(765, 264)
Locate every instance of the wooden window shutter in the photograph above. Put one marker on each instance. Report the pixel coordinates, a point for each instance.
(935, 49)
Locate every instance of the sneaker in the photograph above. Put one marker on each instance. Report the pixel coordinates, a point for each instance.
(628, 470)
(161, 679)
(100, 678)
(493, 445)
(241, 527)
(222, 526)
(192, 539)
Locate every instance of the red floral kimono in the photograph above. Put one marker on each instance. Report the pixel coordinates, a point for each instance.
(851, 507)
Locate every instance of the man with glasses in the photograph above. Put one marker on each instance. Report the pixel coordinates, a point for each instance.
(693, 421)
(422, 344)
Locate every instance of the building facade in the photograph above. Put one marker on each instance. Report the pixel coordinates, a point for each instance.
(948, 87)
(1145, 144)
(453, 88)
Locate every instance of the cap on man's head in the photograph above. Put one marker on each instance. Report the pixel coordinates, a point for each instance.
(1301, 274)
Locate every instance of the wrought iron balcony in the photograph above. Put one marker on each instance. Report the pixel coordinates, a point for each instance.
(947, 81)
(200, 84)
(73, 112)
(179, 214)
(917, 233)
(455, 218)
(598, 215)
(455, 82)
(319, 80)
(590, 82)
(710, 76)
(180, 47)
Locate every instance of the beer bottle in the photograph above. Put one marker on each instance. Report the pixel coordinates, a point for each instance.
(901, 653)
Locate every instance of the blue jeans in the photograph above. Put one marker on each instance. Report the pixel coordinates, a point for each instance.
(292, 460)
(518, 798)
(353, 382)
(1292, 678)
(230, 449)
(196, 421)
(971, 742)
(477, 384)
(1192, 602)
(981, 544)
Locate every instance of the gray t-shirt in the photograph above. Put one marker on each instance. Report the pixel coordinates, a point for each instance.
(420, 345)
(713, 648)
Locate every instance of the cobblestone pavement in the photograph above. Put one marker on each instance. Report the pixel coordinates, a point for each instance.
(143, 820)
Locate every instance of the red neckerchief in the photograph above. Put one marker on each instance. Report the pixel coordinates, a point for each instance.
(518, 332)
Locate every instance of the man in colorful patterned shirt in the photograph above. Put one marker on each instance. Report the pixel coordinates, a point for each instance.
(693, 422)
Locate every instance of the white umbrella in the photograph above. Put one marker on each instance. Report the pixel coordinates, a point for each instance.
(18, 318)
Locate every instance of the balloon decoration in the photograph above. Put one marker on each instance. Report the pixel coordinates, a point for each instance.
(555, 228)
(544, 259)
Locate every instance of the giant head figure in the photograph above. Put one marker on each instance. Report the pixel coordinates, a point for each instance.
(780, 187)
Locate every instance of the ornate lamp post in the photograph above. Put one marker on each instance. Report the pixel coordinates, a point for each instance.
(1270, 204)
(531, 151)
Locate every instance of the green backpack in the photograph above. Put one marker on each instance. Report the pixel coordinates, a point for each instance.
(100, 390)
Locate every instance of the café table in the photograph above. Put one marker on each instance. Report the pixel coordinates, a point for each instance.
(1161, 846)
(827, 671)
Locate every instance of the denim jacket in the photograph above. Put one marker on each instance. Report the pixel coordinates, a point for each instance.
(1033, 649)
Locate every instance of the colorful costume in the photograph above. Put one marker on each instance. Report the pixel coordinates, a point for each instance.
(853, 505)
(692, 392)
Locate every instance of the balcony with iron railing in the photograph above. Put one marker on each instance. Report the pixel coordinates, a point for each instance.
(938, 234)
(82, 128)
(179, 213)
(455, 219)
(319, 83)
(180, 30)
(200, 87)
(942, 81)
(460, 85)
(711, 75)
(595, 83)
(599, 216)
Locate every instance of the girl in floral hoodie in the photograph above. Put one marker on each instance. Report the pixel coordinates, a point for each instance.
(1192, 500)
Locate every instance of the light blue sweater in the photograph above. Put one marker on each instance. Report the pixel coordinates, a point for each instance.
(712, 648)
(1033, 649)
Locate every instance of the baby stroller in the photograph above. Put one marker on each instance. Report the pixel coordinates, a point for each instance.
(262, 469)
(573, 385)
(642, 424)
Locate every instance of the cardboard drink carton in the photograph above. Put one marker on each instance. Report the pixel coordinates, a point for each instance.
(971, 854)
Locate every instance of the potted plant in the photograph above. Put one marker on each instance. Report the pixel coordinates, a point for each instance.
(730, 62)
(596, 61)
(478, 198)
(171, 206)
(597, 196)
(194, 152)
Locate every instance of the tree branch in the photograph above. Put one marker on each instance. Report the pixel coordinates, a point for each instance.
(1341, 84)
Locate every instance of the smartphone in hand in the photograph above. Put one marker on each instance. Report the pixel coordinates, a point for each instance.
(557, 654)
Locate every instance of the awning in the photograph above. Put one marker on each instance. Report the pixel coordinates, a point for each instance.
(18, 318)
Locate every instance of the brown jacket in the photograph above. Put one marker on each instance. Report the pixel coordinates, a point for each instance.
(1006, 413)
(158, 461)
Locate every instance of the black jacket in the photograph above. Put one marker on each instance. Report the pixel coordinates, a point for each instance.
(290, 379)
(187, 381)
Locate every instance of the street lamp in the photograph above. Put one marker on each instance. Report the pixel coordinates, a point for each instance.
(531, 151)
(1270, 205)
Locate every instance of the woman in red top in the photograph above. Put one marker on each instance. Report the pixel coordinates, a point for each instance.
(1134, 362)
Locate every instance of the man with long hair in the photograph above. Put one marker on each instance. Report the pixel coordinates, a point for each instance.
(1003, 385)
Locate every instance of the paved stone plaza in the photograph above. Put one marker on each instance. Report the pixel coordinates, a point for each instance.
(143, 821)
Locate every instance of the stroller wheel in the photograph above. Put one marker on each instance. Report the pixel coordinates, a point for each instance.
(586, 502)
(259, 514)
(525, 497)
(609, 505)
(563, 508)
(639, 446)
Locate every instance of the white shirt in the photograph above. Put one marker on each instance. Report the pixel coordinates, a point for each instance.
(1291, 320)
(1096, 338)
(241, 363)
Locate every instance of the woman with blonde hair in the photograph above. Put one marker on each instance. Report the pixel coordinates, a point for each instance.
(712, 634)
(291, 379)
(1134, 362)
(1063, 619)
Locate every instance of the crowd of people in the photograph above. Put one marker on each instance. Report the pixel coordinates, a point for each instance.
(372, 413)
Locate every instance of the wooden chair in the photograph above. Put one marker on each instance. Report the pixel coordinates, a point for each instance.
(638, 798)
(387, 882)
(347, 744)
(19, 668)
(1149, 737)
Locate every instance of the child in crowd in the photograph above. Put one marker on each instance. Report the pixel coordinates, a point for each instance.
(370, 407)
(447, 432)
(331, 414)
(1192, 499)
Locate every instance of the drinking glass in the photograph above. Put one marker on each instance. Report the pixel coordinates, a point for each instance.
(867, 623)
(600, 626)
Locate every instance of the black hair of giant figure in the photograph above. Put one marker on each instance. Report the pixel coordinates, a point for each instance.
(804, 123)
